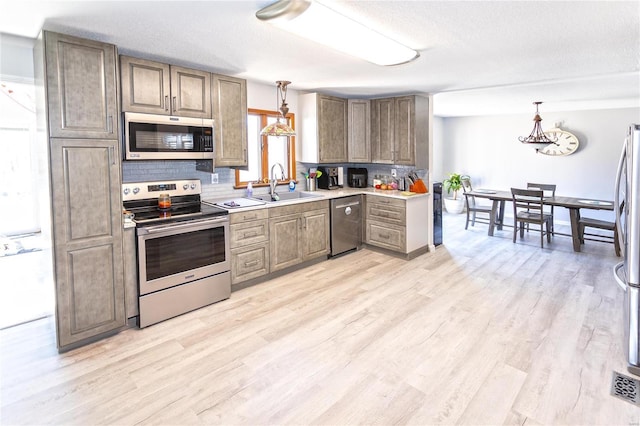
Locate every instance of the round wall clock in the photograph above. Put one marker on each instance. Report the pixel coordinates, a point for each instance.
(567, 143)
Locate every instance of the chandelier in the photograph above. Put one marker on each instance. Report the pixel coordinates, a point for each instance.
(280, 127)
(537, 136)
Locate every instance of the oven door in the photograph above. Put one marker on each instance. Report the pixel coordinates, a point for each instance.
(175, 254)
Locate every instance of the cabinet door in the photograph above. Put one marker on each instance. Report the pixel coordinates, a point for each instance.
(404, 135)
(285, 242)
(190, 92)
(359, 131)
(315, 225)
(382, 131)
(230, 110)
(81, 87)
(332, 129)
(145, 86)
(87, 238)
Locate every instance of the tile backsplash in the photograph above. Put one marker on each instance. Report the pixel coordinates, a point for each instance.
(142, 171)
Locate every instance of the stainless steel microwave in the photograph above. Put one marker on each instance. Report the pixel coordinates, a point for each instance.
(165, 137)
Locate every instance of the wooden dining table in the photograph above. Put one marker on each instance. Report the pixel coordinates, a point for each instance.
(574, 204)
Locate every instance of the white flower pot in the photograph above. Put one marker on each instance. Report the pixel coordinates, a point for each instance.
(454, 206)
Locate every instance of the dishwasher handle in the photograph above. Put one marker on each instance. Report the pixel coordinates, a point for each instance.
(342, 206)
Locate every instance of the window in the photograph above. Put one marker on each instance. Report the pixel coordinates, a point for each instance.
(20, 161)
(265, 151)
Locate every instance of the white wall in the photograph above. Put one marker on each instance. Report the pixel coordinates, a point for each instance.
(487, 149)
(439, 172)
(262, 96)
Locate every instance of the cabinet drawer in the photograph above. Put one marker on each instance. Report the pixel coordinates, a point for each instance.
(298, 208)
(385, 201)
(386, 214)
(249, 262)
(386, 210)
(247, 216)
(243, 234)
(386, 236)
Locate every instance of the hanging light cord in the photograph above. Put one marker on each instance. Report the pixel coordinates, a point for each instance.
(281, 95)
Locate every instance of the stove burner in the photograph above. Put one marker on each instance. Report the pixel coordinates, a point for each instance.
(142, 199)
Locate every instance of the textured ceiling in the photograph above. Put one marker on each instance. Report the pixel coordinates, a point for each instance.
(475, 56)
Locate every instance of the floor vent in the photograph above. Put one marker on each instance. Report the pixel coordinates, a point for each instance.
(625, 387)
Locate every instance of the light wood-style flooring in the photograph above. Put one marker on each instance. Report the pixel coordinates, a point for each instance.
(482, 331)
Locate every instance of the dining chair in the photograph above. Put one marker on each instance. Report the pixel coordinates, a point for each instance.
(528, 208)
(549, 190)
(587, 222)
(472, 206)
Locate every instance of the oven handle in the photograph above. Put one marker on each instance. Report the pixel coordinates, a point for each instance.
(190, 224)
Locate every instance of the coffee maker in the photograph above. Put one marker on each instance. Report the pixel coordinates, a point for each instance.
(357, 177)
(331, 178)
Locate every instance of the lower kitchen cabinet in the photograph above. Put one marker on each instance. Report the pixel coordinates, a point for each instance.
(385, 223)
(315, 226)
(298, 233)
(87, 238)
(249, 243)
(286, 241)
(399, 225)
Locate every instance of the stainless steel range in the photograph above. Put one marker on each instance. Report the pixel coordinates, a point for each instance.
(183, 248)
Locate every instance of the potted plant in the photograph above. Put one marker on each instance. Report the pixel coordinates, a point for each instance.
(453, 184)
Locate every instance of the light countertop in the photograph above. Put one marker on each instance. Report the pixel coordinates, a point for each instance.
(320, 194)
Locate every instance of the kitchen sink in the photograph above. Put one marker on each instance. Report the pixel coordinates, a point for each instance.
(286, 196)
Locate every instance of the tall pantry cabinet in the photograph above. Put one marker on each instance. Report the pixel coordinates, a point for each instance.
(78, 110)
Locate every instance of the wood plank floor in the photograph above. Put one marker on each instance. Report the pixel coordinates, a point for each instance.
(483, 331)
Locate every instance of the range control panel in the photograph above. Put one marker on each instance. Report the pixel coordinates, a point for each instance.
(146, 190)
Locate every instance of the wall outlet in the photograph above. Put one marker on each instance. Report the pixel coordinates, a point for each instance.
(394, 172)
(214, 178)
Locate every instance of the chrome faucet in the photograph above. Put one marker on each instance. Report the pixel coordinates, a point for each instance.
(273, 182)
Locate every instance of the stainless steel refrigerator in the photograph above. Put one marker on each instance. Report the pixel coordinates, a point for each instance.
(627, 272)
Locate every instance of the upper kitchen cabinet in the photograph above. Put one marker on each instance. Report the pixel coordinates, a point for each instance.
(400, 131)
(81, 81)
(230, 112)
(382, 126)
(323, 129)
(157, 88)
(359, 131)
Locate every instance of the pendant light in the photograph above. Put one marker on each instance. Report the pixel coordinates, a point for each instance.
(537, 136)
(280, 128)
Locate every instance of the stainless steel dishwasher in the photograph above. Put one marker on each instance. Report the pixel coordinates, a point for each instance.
(346, 224)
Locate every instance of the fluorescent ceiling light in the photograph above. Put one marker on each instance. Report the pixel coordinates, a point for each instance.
(318, 23)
